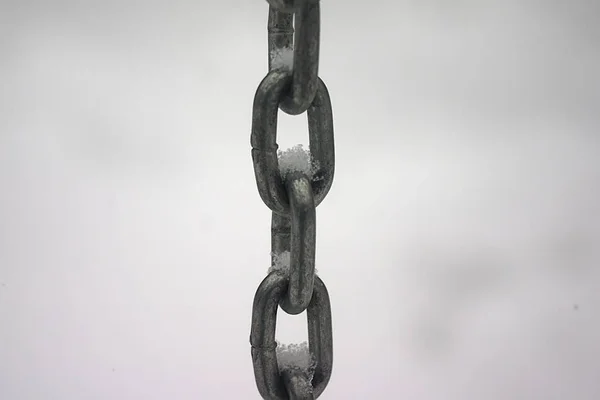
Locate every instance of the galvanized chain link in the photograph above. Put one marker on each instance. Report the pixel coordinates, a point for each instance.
(293, 200)
(307, 24)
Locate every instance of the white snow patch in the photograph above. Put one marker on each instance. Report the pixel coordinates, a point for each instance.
(282, 58)
(296, 159)
(281, 263)
(296, 356)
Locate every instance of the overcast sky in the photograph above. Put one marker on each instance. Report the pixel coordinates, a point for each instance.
(459, 241)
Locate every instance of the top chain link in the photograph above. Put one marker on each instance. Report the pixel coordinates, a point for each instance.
(293, 201)
(307, 27)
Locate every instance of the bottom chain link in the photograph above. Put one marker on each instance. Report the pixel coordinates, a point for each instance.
(269, 380)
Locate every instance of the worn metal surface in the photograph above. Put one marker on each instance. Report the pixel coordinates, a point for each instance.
(306, 41)
(264, 141)
(302, 244)
(269, 381)
(293, 202)
(283, 5)
(280, 30)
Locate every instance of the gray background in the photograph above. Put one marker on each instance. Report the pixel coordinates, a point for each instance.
(459, 241)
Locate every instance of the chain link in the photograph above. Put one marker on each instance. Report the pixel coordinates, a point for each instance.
(302, 244)
(269, 381)
(293, 200)
(307, 23)
(264, 141)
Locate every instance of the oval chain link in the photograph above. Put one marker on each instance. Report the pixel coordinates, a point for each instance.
(262, 336)
(264, 141)
(302, 244)
(293, 202)
(306, 42)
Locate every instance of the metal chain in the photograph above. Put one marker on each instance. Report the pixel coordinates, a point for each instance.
(293, 200)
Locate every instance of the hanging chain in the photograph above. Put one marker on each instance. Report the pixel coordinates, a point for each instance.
(294, 25)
